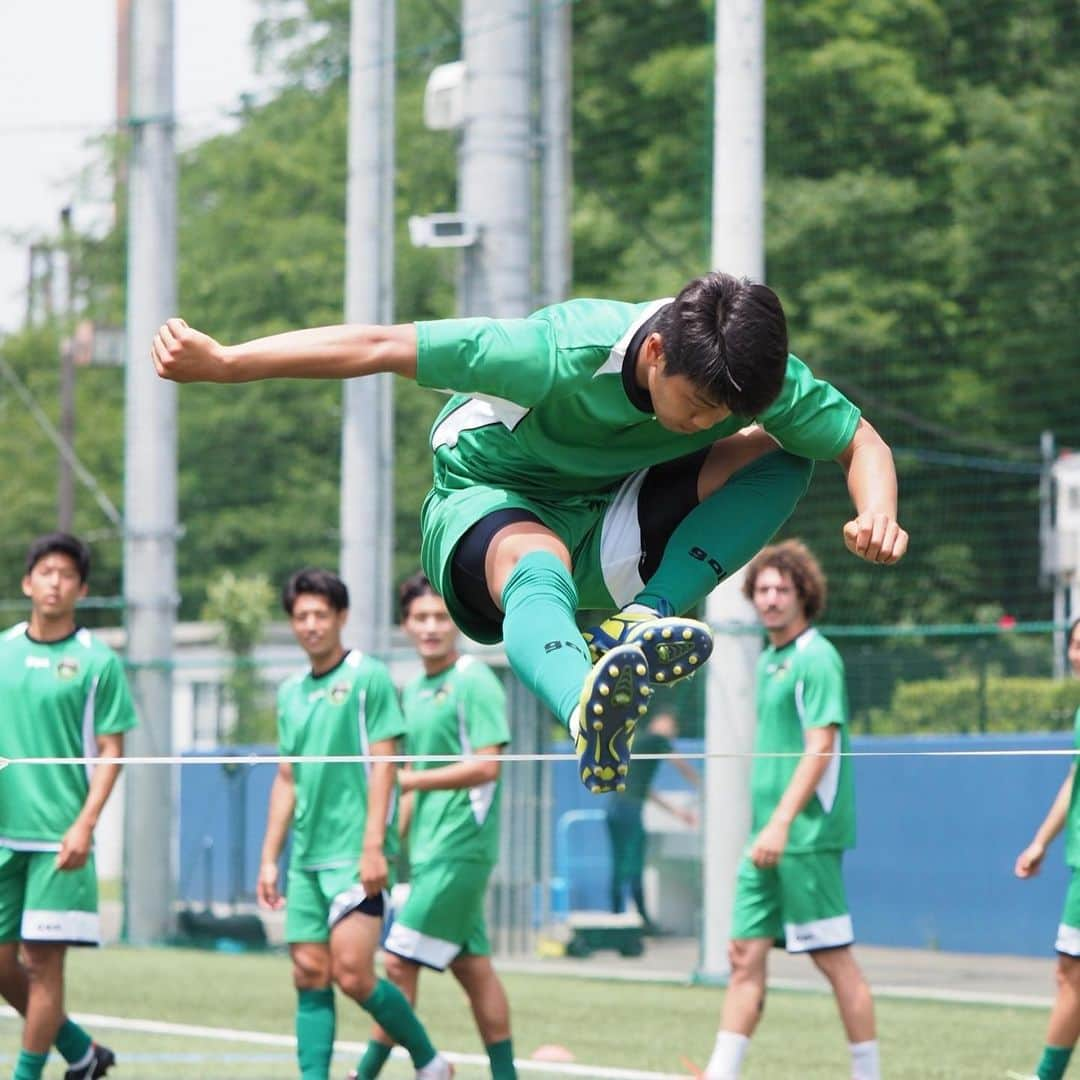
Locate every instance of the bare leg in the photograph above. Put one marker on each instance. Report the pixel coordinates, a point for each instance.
(487, 997)
(744, 1001)
(44, 965)
(851, 990)
(1064, 1026)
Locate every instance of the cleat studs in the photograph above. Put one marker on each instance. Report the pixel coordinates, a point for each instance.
(687, 635)
(677, 669)
(620, 788)
(613, 671)
(693, 658)
(642, 710)
(604, 689)
(598, 709)
(667, 631)
(649, 635)
(660, 676)
(641, 669)
(623, 770)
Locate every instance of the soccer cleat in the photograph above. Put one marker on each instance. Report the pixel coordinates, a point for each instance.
(101, 1061)
(438, 1068)
(674, 647)
(615, 697)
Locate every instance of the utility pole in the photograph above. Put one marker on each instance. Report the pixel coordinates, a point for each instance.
(496, 159)
(556, 258)
(738, 246)
(367, 435)
(65, 493)
(150, 512)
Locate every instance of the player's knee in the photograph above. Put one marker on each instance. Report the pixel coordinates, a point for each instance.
(354, 980)
(745, 965)
(1068, 972)
(43, 963)
(310, 972)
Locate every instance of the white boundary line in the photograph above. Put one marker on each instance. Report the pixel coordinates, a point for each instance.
(401, 759)
(265, 1038)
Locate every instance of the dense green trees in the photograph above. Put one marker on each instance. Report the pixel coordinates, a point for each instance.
(923, 199)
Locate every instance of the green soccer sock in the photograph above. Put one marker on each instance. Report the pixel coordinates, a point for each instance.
(315, 1024)
(29, 1066)
(390, 1009)
(375, 1057)
(501, 1056)
(72, 1041)
(726, 530)
(543, 644)
(1054, 1062)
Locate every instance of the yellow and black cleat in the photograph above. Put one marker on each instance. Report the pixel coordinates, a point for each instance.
(674, 647)
(614, 699)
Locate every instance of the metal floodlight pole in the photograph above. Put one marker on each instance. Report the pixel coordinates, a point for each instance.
(556, 258)
(738, 246)
(150, 510)
(367, 444)
(496, 158)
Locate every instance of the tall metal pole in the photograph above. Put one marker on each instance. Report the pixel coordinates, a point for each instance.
(556, 259)
(738, 246)
(367, 436)
(150, 515)
(496, 158)
(65, 488)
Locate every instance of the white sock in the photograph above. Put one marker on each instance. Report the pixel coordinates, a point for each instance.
(865, 1060)
(574, 724)
(727, 1056)
(638, 609)
(438, 1068)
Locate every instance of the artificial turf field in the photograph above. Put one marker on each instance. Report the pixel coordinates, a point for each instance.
(634, 1026)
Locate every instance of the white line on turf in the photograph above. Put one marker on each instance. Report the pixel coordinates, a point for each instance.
(265, 1038)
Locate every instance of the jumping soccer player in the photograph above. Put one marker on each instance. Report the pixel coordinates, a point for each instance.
(343, 822)
(62, 695)
(598, 455)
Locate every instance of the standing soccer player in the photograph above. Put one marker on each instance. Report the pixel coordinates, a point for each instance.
(343, 823)
(1064, 1027)
(790, 887)
(598, 455)
(62, 695)
(456, 707)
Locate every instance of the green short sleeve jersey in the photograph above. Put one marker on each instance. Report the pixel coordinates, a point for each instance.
(457, 711)
(55, 698)
(1072, 834)
(801, 685)
(640, 777)
(541, 406)
(339, 713)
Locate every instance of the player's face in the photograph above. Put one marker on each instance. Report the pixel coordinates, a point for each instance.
(1074, 651)
(681, 406)
(777, 600)
(53, 586)
(430, 628)
(317, 625)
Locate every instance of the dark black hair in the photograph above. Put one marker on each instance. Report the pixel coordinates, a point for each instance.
(64, 544)
(317, 583)
(728, 336)
(410, 589)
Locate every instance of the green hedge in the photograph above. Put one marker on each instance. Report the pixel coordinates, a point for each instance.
(997, 703)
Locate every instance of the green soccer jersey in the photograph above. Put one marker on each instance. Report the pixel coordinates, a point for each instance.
(542, 406)
(456, 711)
(1072, 833)
(339, 713)
(799, 686)
(55, 698)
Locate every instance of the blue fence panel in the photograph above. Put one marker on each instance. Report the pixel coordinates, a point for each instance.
(937, 840)
(222, 818)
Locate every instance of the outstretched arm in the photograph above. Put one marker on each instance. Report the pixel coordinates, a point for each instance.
(874, 533)
(183, 354)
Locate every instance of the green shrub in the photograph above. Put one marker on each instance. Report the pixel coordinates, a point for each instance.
(965, 704)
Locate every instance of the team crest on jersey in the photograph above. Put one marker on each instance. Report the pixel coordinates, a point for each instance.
(774, 671)
(338, 693)
(67, 669)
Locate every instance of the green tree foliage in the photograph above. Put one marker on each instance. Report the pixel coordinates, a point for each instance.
(923, 193)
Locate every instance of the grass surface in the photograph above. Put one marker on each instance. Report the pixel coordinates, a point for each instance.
(621, 1024)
